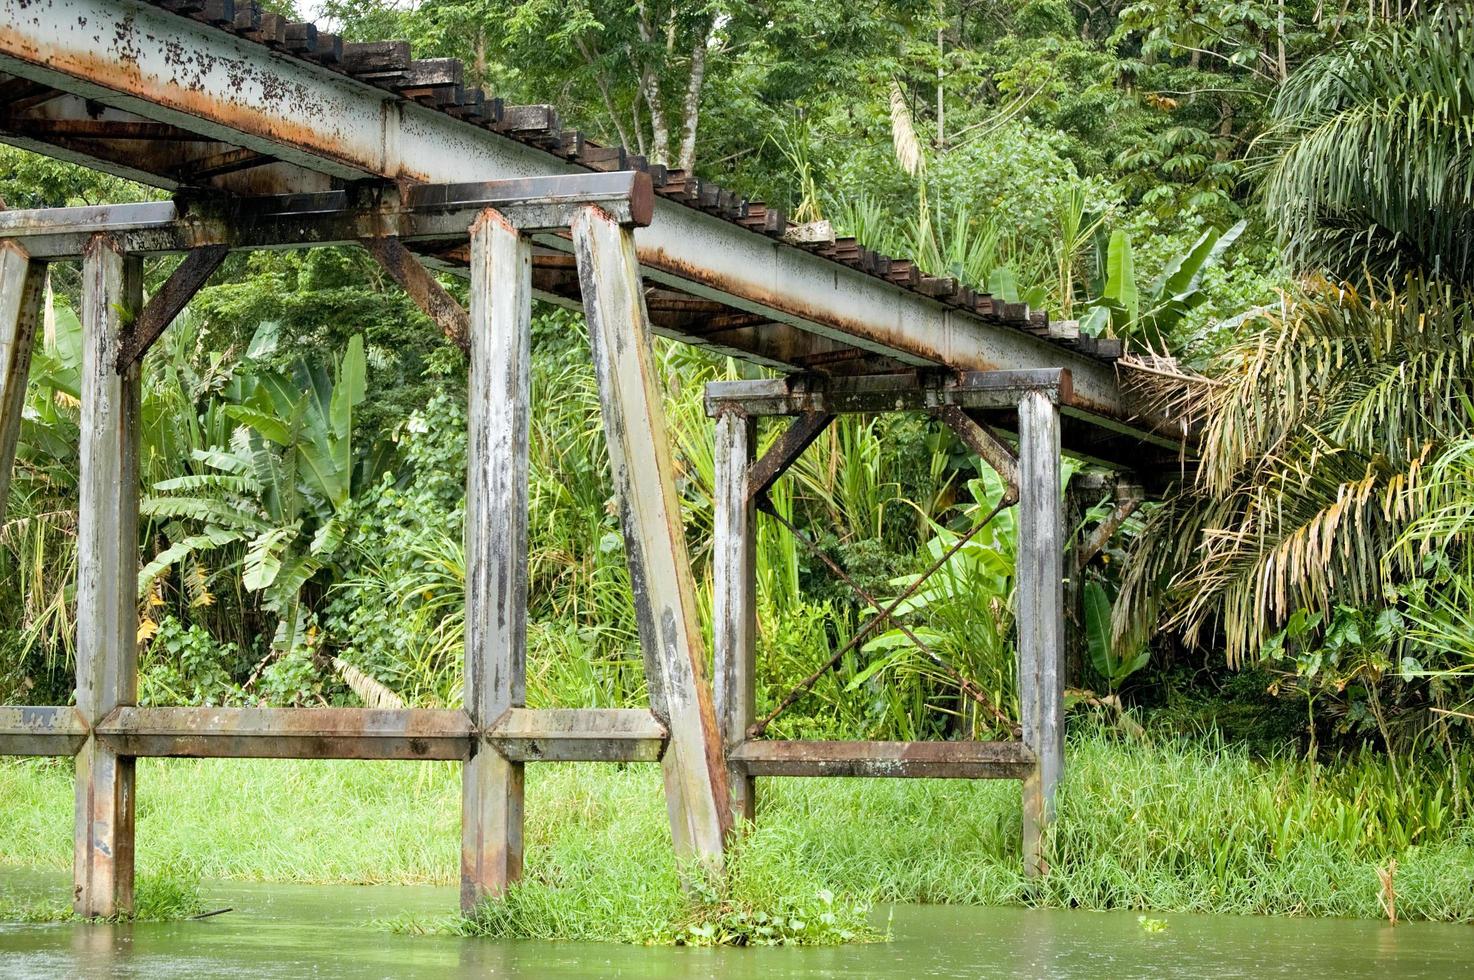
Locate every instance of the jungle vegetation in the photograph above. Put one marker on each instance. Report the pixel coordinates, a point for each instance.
(1270, 201)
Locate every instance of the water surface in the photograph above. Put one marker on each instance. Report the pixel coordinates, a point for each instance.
(294, 931)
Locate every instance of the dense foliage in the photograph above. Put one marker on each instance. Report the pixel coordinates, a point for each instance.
(1203, 181)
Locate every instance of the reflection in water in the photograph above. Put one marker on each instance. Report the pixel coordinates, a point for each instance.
(291, 931)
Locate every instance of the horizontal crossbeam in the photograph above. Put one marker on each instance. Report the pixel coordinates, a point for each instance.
(931, 760)
(288, 733)
(578, 735)
(875, 393)
(41, 731)
(416, 213)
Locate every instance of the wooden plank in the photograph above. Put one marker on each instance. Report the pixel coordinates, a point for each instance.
(163, 306)
(874, 393)
(22, 287)
(496, 548)
(287, 733)
(107, 576)
(655, 541)
(782, 454)
(578, 735)
(734, 597)
(40, 730)
(423, 288)
(1040, 616)
(904, 760)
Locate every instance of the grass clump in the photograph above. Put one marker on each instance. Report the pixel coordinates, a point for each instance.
(165, 897)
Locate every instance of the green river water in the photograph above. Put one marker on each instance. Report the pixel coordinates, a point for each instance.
(296, 931)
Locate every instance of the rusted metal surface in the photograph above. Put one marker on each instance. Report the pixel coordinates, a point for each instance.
(22, 285)
(984, 443)
(1128, 498)
(107, 576)
(422, 288)
(929, 760)
(417, 214)
(500, 395)
(578, 735)
(716, 245)
(41, 731)
(166, 304)
(734, 596)
(655, 542)
(907, 392)
(1039, 612)
(287, 733)
(783, 453)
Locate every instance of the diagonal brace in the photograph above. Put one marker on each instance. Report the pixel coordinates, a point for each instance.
(169, 302)
(985, 443)
(799, 435)
(423, 288)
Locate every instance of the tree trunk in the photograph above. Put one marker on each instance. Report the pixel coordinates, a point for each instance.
(691, 104)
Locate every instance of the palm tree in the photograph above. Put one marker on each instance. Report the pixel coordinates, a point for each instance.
(1315, 429)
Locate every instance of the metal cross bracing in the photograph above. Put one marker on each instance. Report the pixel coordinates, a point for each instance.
(1031, 482)
(221, 96)
(495, 735)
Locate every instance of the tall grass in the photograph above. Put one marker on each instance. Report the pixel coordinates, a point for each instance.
(1173, 826)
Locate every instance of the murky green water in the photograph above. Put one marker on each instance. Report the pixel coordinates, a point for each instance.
(294, 931)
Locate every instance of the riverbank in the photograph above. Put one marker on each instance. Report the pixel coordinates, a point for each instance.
(1173, 826)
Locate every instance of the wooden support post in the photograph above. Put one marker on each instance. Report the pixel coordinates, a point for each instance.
(734, 575)
(655, 541)
(188, 278)
(22, 283)
(107, 576)
(496, 549)
(1040, 579)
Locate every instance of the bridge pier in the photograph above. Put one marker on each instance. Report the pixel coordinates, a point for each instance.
(1031, 480)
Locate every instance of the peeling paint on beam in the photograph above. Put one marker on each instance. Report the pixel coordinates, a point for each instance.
(288, 733)
(41, 731)
(914, 760)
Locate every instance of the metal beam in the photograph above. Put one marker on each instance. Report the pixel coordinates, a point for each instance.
(287, 733)
(1039, 573)
(41, 731)
(734, 596)
(430, 212)
(422, 288)
(107, 577)
(249, 95)
(785, 451)
(654, 536)
(578, 735)
(22, 285)
(930, 760)
(169, 302)
(498, 424)
(876, 393)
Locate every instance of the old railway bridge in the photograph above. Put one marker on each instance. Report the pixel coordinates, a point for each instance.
(277, 135)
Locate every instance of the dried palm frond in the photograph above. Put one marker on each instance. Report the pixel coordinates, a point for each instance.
(909, 153)
(370, 691)
(1312, 454)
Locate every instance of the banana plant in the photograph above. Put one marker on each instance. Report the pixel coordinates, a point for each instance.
(279, 493)
(1149, 316)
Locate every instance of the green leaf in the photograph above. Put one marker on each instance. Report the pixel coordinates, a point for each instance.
(1120, 286)
(264, 557)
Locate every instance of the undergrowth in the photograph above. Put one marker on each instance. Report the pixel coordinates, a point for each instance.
(1174, 825)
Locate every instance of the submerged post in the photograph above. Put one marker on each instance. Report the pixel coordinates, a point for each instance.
(496, 549)
(1040, 587)
(734, 599)
(22, 282)
(107, 576)
(655, 542)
